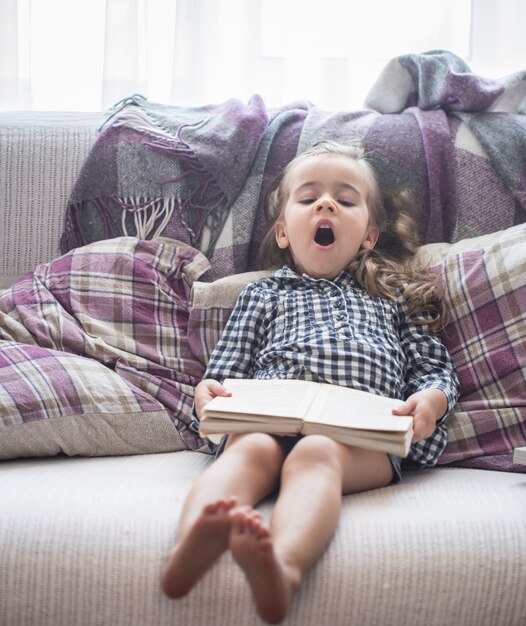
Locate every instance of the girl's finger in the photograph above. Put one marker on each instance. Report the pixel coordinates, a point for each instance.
(406, 408)
(218, 389)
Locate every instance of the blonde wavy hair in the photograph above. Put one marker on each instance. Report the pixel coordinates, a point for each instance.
(385, 269)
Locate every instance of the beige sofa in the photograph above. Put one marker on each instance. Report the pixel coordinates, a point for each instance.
(83, 540)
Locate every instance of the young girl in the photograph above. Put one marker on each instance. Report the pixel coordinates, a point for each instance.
(342, 309)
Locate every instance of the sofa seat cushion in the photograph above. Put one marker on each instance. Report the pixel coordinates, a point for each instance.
(445, 546)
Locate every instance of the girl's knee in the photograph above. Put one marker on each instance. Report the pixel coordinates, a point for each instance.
(314, 451)
(258, 448)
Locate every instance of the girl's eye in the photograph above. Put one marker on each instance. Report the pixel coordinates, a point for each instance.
(347, 203)
(307, 200)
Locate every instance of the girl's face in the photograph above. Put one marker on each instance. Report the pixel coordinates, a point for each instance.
(326, 220)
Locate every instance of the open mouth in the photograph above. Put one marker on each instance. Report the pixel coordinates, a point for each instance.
(324, 235)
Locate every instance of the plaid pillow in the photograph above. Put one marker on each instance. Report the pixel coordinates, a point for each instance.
(53, 402)
(94, 355)
(485, 289)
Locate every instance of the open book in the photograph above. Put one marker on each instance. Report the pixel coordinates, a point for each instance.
(290, 407)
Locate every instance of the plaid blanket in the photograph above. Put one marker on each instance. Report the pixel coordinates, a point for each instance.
(457, 141)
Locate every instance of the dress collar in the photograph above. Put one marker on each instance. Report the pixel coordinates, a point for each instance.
(342, 280)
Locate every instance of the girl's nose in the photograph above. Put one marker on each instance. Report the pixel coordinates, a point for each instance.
(325, 203)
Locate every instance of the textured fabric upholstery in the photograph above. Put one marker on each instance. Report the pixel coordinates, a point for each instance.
(40, 157)
(83, 541)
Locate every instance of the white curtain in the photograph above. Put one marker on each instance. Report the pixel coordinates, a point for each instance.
(88, 54)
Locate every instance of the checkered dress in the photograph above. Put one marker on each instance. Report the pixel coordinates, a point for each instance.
(291, 326)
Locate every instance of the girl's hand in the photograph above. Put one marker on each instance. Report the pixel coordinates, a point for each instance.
(426, 407)
(207, 390)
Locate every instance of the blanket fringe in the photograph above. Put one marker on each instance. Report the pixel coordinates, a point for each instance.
(146, 215)
(141, 120)
(204, 206)
(137, 119)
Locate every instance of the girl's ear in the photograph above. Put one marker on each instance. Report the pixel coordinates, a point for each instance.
(281, 236)
(371, 237)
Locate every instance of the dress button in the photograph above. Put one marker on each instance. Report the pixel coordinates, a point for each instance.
(338, 303)
(340, 317)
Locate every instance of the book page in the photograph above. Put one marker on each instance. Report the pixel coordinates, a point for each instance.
(278, 398)
(338, 406)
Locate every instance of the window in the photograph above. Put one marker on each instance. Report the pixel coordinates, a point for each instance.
(88, 54)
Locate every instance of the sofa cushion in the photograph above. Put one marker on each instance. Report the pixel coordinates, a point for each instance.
(484, 285)
(84, 542)
(483, 281)
(94, 357)
(53, 402)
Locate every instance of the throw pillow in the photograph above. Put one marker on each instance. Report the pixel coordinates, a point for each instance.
(484, 284)
(94, 355)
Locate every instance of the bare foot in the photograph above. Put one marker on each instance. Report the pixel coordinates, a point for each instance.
(195, 553)
(251, 546)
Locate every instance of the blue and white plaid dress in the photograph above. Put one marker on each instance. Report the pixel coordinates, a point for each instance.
(291, 326)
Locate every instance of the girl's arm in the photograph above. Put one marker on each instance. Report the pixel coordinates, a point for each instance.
(431, 380)
(242, 337)
(236, 350)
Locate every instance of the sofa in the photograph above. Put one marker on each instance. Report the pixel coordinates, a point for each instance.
(114, 292)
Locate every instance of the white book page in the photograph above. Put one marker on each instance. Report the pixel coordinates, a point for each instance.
(277, 398)
(356, 409)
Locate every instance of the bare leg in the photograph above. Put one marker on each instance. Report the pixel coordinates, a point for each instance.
(251, 545)
(203, 545)
(245, 473)
(315, 474)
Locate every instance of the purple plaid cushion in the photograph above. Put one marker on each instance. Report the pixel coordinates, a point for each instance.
(486, 292)
(94, 354)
